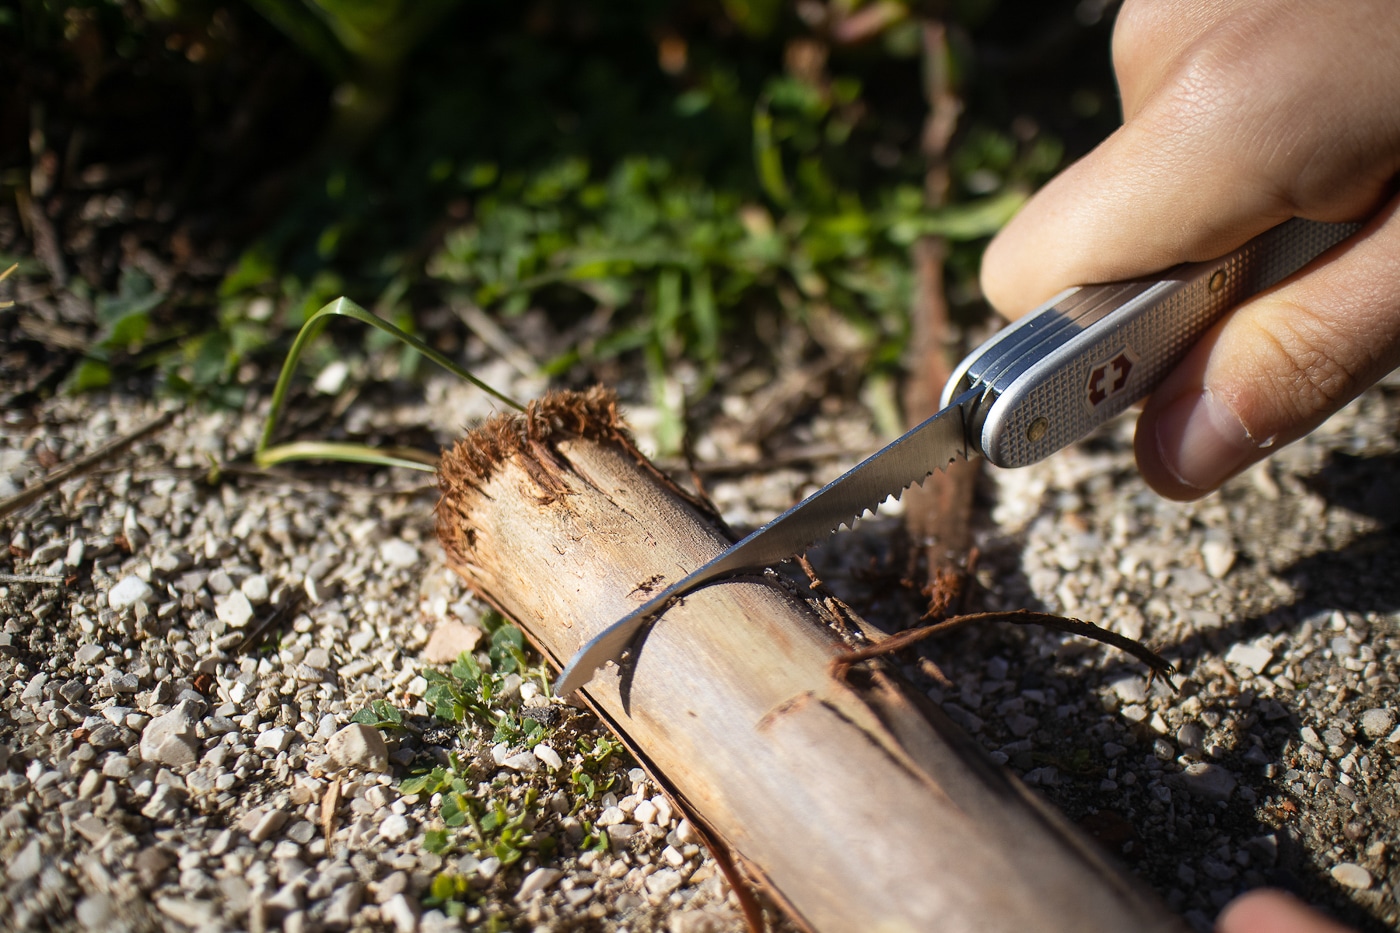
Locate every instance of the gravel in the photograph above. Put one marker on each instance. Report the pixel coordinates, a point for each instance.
(154, 776)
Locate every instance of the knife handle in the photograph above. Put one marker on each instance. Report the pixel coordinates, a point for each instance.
(1090, 352)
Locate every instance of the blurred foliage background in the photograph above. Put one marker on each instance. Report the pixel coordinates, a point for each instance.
(673, 186)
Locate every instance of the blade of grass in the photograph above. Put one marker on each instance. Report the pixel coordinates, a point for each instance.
(348, 453)
(266, 454)
(3, 276)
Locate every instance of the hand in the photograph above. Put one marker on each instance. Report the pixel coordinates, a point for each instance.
(1272, 912)
(1238, 114)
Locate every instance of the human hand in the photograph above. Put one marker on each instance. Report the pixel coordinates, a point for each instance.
(1238, 114)
(1272, 912)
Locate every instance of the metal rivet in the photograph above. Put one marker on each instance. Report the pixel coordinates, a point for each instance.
(1217, 280)
(1036, 429)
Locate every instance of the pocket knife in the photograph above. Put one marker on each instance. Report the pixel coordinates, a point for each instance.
(1035, 387)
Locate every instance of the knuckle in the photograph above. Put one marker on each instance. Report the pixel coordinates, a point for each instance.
(1310, 366)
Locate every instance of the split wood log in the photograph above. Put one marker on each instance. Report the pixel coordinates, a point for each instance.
(855, 801)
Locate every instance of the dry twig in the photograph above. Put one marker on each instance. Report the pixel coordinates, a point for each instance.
(82, 465)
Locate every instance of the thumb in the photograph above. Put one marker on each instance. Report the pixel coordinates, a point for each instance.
(1278, 366)
(1273, 912)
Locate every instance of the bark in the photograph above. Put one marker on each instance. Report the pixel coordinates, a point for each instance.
(857, 803)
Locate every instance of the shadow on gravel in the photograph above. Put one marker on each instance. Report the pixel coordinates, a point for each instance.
(1362, 577)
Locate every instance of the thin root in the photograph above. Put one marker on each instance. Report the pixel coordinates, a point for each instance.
(1154, 661)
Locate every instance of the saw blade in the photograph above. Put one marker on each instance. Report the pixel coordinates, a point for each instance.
(911, 459)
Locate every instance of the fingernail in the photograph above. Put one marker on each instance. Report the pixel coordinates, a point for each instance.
(1202, 441)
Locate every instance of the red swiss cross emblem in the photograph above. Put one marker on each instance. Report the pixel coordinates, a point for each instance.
(1109, 378)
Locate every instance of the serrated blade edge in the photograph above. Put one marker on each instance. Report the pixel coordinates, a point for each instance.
(911, 459)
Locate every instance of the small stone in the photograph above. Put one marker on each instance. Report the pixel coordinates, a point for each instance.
(106, 736)
(26, 864)
(89, 654)
(1191, 581)
(234, 609)
(1131, 689)
(535, 882)
(1191, 736)
(1310, 737)
(343, 906)
(165, 806)
(302, 832)
(359, 746)
(186, 912)
(401, 912)
(318, 658)
(612, 816)
(449, 640)
(1351, 875)
(1021, 725)
(76, 551)
(1210, 781)
(663, 882)
(525, 761)
(1377, 723)
(116, 766)
(549, 757)
(1134, 712)
(255, 588)
(398, 553)
(289, 898)
(1218, 553)
(90, 828)
(395, 829)
(672, 856)
(170, 739)
(152, 863)
(664, 812)
(128, 592)
(95, 912)
(275, 740)
(645, 812)
(260, 825)
(1251, 657)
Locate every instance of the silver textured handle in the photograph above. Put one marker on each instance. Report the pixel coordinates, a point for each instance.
(1090, 352)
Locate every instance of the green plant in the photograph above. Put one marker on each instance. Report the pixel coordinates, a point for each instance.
(381, 714)
(267, 455)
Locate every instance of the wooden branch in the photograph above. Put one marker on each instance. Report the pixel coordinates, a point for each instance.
(938, 514)
(857, 802)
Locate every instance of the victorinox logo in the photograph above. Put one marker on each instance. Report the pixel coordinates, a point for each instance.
(1109, 378)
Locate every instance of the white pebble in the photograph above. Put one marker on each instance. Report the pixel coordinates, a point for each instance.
(1251, 657)
(234, 609)
(359, 746)
(1351, 875)
(130, 591)
(536, 881)
(255, 588)
(549, 757)
(401, 913)
(275, 740)
(398, 553)
(395, 828)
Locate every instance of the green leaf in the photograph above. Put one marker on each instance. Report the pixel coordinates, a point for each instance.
(380, 714)
(437, 841)
(506, 646)
(87, 375)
